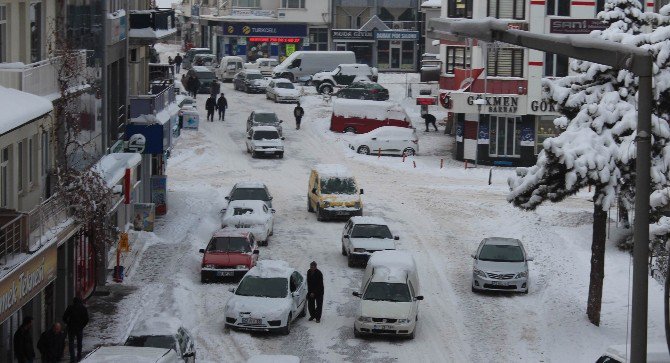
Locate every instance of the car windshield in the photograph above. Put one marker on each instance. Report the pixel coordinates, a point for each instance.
(265, 118)
(284, 85)
(266, 135)
(249, 194)
(273, 287)
(384, 291)
(371, 231)
(228, 244)
(242, 211)
(154, 341)
(338, 186)
(501, 253)
(254, 76)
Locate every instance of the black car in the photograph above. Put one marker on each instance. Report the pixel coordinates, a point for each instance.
(364, 91)
(205, 76)
(250, 81)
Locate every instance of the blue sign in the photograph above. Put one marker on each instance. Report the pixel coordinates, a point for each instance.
(265, 29)
(152, 133)
(396, 35)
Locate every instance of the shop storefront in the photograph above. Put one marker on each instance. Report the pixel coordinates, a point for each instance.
(388, 50)
(361, 42)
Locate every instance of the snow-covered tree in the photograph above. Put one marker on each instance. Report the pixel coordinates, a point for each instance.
(597, 146)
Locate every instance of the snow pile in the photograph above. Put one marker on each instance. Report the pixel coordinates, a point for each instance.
(271, 268)
(274, 359)
(392, 266)
(374, 110)
(431, 4)
(327, 171)
(112, 167)
(151, 33)
(19, 108)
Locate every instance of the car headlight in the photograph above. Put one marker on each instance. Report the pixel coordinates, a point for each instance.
(479, 272)
(359, 249)
(521, 275)
(209, 266)
(404, 321)
(242, 267)
(326, 204)
(365, 319)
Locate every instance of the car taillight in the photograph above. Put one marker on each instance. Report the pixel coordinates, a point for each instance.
(373, 91)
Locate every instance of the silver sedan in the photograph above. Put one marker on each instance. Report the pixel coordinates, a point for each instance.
(501, 264)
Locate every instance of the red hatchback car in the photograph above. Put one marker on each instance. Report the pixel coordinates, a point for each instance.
(362, 116)
(230, 253)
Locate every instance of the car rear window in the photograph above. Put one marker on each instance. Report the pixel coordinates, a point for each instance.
(249, 194)
(254, 76)
(284, 85)
(229, 244)
(242, 211)
(153, 341)
(273, 287)
(265, 118)
(266, 135)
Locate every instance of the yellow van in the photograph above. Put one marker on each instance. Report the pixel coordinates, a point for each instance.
(333, 192)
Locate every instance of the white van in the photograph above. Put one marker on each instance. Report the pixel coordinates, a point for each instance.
(228, 67)
(309, 62)
(389, 295)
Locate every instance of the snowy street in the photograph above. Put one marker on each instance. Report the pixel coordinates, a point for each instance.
(441, 215)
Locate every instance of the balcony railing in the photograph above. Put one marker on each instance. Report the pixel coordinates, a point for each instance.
(39, 78)
(159, 22)
(151, 104)
(13, 239)
(46, 217)
(402, 25)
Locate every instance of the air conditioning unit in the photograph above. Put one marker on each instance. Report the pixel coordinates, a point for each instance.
(397, 25)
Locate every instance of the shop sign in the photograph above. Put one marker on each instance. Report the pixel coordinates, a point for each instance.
(344, 34)
(124, 245)
(252, 12)
(527, 136)
(290, 48)
(270, 30)
(396, 35)
(145, 214)
(274, 40)
(542, 106)
(159, 193)
(24, 282)
(116, 31)
(575, 26)
(496, 104)
(153, 137)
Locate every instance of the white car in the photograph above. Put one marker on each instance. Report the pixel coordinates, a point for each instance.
(282, 90)
(390, 140)
(362, 236)
(268, 298)
(250, 215)
(264, 65)
(163, 332)
(120, 353)
(501, 264)
(265, 140)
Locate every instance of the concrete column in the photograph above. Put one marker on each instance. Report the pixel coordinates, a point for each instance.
(62, 282)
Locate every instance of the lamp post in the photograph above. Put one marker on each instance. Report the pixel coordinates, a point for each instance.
(616, 55)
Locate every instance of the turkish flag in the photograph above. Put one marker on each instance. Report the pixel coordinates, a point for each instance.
(464, 78)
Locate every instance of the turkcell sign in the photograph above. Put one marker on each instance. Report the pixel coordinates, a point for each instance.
(258, 29)
(396, 35)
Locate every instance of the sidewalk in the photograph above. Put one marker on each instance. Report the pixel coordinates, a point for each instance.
(136, 241)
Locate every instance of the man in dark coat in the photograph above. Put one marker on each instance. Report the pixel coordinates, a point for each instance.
(76, 318)
(221, 105)
(177, 62)
(314, 292)
(52, 344)
(430, 119)
(194, 85)
(210, 105)
(215, 88)
(24, 352)
(298, 112)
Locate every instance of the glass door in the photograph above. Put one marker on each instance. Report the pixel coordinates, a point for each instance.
(395, 57)
(504, 136)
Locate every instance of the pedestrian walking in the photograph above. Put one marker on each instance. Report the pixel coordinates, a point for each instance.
(76, 318)
(170, 60)
(314, 292)
(52, 344)
(194, 85)
(221, 105)
(24, 352)
(177, 62)
(429, 119)
(215, 87)
(298, 112)
(210, 105)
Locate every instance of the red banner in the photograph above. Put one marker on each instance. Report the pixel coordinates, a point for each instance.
(274, 40)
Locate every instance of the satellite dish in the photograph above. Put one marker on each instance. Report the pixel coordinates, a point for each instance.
(136, 143)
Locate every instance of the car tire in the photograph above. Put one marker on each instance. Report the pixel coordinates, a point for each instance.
(349, 129)
(309, 206)
(319, 214)
(411, 336)
(363, 150)
(525, 292)
(287, 329)
(357, 334)
(344, 251)
(350, 261)
(409, 151)
(281, 155)
(303, 312)
(473, 289)
(254, 155)
(326, 88)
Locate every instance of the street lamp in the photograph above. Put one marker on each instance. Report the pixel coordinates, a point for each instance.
(616, 55)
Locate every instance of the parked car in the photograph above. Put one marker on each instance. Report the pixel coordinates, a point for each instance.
(229, 67)
(252, 216)
(270, 297)
(187, 63)
(501, 264)
(249, 81)
(343, 75)
(229, 253)
(388, 140)
(205, 76)
(206, 60)
(264, 118)
(265, 140)
(265, 65)
(360, 116)
(308, 62)
(333, 192)
(390, 296)
(363, 236)
(250, 190)
(164, 332)
(656, 353)
(364, 91)
(121, 353)
(282, 90)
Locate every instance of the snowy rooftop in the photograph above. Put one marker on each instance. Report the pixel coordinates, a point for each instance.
(112, 167)
(431, 4)
(332, 171)
(271, 268)
(368, 220)
(163, 325)
(391, 265)
(19, 108)
(375, 110)
(250, 183)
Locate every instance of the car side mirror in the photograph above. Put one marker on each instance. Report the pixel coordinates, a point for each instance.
(202, 250)
(361, 191)
(529, 259)
(232, 289)
(396, 237)
(257, 252)
(356, 293)
(419, 297)
(472, 255)
(374, 138)
(346, 236)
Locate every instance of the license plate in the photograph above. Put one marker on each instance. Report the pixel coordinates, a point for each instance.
(251, 321)
(341, 213)
(383, 327)
(224, 273)
(269, 152)
(498, 283)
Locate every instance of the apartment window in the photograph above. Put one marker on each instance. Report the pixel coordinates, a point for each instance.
(506, 9)
(505, 62)
(600, 6)
(504, 136)
(36, 30)
(31, 160)
(3, 33)
(559, 7)
(4, 177)
(45, 153)
(457, 57)
(459, 9)
(318, 38)
(545, 129)
(293, 4)
(555, 65)
(20, 166)
(247, 3)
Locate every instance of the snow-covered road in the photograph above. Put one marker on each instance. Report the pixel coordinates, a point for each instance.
(440, 214)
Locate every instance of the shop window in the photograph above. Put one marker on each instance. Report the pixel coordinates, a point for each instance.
(4, 177)
(505, 62)
(246, 3)
(459, 9)
(506, 9)
(545, 129)
(36, 30)
(318, 38)
(457, 57)
(504, 136)
(558, 7)
(555, 65)
(383, 48)
(293, 4)
(407, 55)
(3, 33)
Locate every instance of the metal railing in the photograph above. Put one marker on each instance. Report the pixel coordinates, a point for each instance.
(39, 78)
(153, 103)
(47, 215)
(162, 19)
(12, 237)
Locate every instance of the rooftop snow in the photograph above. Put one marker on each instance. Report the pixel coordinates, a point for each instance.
(332, 171)
(271, 268)
(151, 33)
(392, 265)
(368, 220)
(375, 110)
(19, 108)
(432, 4)
(112, 167)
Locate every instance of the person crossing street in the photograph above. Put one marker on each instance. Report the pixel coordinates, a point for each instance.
(177, 62)
(298, 112)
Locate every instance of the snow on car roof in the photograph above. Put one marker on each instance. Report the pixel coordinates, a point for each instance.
(194, 49)
(159, 325)
(390, 130)
(368, 220)
(115, 354)
(376, 110)
(391, 266)
(264, 128)
(332, 171)
(199, 69)
(266, 358)
(263, 111)
(251, 183)
(271, 268)
(227, 232)
(281, 80)
(502, 241)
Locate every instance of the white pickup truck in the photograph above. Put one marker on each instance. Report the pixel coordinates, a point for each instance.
(264, 65)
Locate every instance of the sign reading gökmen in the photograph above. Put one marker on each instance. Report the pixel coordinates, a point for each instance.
(496, 104)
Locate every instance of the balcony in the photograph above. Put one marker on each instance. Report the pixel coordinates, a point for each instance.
(152, 104)
(402, 25)
(13, 235)
(39, 78)
(148, 26)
